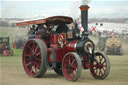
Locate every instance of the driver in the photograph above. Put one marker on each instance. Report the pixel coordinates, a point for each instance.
(62, 28)
(41, 27)
(42, 30)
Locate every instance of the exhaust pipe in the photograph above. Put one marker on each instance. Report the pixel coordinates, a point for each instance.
(84, 19)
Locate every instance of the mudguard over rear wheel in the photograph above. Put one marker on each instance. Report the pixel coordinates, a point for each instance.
(34, 55)
(100, 66)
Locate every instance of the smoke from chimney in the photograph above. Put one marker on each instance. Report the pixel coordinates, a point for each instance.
(85, 2)
(74, 10)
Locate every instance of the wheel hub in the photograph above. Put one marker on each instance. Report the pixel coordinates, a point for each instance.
(70, 68)
(99, 66)
(32, 58)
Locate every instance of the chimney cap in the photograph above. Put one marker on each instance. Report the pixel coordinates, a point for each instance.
(84, 7)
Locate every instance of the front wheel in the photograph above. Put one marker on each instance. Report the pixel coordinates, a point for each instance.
(71, 66)
(100, 66)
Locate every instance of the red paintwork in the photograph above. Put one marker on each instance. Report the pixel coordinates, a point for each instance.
(31, 22)
(65, 19)
(70, 47)
(54, 43)
(50, 55)
(60, 52)
(54, 40)
(5, 53)
(67, 47)
(85, 62)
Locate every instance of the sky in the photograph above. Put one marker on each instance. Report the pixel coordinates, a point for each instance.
(40, 8)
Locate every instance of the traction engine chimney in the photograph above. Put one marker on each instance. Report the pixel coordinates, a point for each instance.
(84, 19)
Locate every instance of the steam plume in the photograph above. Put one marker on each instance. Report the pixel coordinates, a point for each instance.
(85, 2)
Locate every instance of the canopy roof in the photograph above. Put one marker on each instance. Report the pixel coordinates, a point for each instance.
(49, 20)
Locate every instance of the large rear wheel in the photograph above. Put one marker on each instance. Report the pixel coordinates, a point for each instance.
(71, 66)
(34, 56)
(100, 66)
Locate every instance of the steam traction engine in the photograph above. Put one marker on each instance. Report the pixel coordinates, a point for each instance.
(63, 50)
(5, 49)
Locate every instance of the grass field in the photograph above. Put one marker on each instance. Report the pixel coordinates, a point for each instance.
(12, 72)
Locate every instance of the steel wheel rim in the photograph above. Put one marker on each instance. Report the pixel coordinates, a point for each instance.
(70, 67)
(99, 66)
(32, 58)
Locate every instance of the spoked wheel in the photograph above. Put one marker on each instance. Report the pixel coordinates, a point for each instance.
(71, 66)
(5, 53)
(34, 56)
(100, 66)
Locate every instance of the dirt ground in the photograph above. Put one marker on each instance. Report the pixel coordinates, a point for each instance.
(12, 73)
